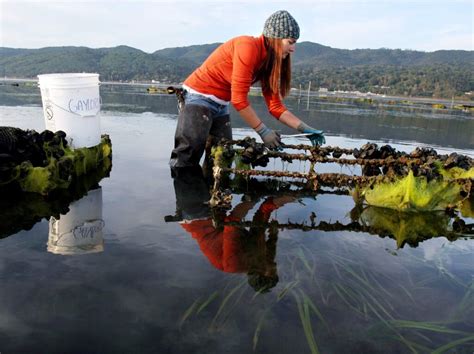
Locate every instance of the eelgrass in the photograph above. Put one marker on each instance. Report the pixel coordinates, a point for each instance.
(207, 302)
(256, 334)
(305, 262)
(454, 344)
(426, 326)
(466, 305)
(224, 303)
(305, 317)
(380, 303)
(189, 311)
(313, 307)
(286, 289)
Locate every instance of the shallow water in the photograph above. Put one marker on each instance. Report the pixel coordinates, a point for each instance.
(153, 286)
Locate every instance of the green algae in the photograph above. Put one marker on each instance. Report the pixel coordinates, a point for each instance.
(60, 171)
(412, 193)
(406, 227)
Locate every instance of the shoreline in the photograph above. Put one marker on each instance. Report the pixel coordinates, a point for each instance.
(295, 93)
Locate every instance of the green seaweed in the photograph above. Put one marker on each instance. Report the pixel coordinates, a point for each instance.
(189, 312)
(417, 193)
(454, 344)
(207, 302)
(305, 317)
(59, 172)
(258, 329)
(406, 227)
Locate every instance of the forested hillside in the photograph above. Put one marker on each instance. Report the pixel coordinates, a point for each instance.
(444, 73)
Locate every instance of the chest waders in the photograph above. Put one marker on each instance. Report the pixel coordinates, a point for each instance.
(199, 128)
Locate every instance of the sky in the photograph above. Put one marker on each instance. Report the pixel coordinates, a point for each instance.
(425, 25)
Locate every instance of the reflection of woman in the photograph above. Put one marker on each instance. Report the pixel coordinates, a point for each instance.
(234, 249)
(226, 76)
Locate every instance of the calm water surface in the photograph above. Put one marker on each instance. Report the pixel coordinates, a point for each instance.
(153, 285)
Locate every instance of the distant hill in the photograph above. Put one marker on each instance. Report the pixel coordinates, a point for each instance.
(118, 63)
(194, 53)
(442, 73)
(308, 53)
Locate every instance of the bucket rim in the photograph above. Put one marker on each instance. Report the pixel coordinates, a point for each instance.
(68, 76)
(68, 80)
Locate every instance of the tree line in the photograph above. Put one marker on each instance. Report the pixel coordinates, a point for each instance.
(441, 81)
(440, 74)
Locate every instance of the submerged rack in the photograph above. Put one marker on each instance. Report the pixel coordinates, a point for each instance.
(422, 180)
(380, 222)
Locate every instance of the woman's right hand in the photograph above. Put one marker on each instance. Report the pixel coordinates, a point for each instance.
(270, 138)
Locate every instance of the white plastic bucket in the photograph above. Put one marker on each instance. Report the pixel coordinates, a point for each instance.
(71, 103)
(80, 231)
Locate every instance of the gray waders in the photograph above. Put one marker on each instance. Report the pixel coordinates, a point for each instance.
(197, 131)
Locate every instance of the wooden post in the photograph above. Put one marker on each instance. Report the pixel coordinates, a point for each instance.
(299, 96)
(309, 89)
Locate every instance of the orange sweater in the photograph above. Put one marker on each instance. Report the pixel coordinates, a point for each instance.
(230, 70)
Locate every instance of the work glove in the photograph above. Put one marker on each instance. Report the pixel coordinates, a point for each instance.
(270, 138)
(316, 137)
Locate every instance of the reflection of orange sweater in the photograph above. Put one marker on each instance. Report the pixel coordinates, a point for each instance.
(230, 70)
(223, 247)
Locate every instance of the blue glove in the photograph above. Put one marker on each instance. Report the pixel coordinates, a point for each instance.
(316, 137)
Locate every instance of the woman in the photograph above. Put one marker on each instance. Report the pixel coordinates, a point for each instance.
(226, 76)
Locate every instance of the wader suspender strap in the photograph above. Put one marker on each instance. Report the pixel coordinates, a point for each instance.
(179, 95)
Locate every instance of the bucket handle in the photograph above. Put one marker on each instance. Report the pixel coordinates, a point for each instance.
(75, 113)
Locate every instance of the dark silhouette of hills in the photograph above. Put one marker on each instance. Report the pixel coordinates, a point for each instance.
(442, 73)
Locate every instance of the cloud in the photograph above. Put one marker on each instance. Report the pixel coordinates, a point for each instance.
(355, 33)
(156, 24)
(449, 40)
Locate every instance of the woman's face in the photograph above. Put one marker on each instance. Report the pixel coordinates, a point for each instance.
(288, 46)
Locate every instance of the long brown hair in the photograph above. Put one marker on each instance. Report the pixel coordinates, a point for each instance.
(275, 72)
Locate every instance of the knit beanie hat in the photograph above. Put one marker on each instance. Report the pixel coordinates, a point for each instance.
(281, 25)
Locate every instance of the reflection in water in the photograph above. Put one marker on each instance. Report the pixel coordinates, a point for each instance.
(229, 247)
(21, 211)
(234, 244)
(398, 122)
(236, 249)
(329, 285)
(412, 228)
(337, 291)
(395, 122)
(80, 230)
(334, 282)
(404, 227)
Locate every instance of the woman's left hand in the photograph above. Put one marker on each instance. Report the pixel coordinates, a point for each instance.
(316, 137)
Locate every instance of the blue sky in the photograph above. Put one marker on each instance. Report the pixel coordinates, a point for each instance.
(425, 25)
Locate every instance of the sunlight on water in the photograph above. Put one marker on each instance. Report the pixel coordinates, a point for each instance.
(282, 273)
